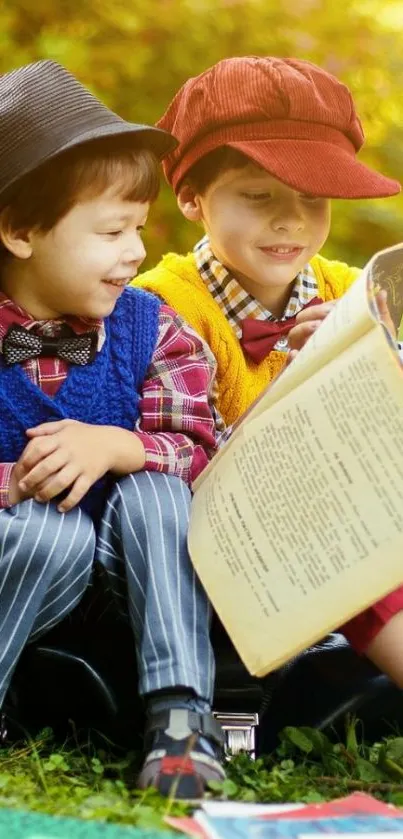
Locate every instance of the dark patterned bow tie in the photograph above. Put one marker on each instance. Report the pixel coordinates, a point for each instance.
(259, 337)
(19, 344)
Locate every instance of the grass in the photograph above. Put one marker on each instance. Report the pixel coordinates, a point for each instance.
(77, 781)
(93, 783)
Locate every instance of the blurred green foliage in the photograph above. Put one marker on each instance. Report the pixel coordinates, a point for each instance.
(135, 54)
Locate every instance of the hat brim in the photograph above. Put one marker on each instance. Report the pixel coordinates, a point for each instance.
(318, 168)
(146, 136)
(158, 141)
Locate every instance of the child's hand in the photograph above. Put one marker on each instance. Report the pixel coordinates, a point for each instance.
(307, 321)
(15, 494)
(69, 454)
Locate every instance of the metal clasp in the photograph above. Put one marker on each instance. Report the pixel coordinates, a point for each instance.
(239, 731)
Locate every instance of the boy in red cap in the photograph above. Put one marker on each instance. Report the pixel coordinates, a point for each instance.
(264, 144)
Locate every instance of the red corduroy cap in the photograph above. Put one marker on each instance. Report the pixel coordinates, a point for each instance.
(292, 118)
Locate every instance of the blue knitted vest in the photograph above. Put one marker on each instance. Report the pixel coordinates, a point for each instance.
(105, 392)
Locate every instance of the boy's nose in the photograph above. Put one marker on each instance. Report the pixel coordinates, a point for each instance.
(135, 254)
(289, 218)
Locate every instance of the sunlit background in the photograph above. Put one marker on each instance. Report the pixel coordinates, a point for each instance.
(135, 54)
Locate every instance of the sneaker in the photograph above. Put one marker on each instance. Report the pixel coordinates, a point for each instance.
(179, 763)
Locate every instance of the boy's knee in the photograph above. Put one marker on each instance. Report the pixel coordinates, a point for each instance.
(38, 534)
(150, 487)
(150, 505)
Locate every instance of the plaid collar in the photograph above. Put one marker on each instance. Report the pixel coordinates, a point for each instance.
(236, 303)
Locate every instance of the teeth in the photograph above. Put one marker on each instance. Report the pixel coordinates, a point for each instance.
(117, 282)
(283, 250)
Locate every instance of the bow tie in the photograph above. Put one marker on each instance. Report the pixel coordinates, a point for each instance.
(19, 344)
(260, 336)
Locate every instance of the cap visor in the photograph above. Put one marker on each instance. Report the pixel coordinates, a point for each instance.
(317, 168)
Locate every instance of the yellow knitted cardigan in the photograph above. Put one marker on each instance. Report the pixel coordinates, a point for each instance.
(240, 380)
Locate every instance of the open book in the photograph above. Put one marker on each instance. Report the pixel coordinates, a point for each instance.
(297, 523)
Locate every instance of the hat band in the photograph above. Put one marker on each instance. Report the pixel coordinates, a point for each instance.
(286, 129)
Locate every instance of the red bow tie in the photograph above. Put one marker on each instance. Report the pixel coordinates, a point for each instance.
(260, 336)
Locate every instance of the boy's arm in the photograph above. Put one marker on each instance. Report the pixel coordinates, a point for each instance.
(362, 630)
(178, 424)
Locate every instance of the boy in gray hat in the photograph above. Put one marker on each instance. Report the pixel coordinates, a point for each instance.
(106, 414)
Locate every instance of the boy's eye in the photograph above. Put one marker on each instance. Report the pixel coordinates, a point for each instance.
(113, 233)
(256, 196)
(306, 196)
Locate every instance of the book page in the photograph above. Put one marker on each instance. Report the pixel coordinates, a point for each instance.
(301, 525)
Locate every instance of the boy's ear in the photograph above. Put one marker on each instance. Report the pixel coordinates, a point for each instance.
(17, 242)
(188, 203)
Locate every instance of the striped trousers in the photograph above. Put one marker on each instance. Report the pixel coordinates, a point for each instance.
(142, 547)
(46, 559)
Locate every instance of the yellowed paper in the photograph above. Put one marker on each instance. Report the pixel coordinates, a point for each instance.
(301, 526)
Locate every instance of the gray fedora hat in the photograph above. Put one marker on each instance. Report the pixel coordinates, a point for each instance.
(44, 111)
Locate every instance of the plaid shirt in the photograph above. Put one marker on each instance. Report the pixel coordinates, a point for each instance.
(177, 425)
(237, 304)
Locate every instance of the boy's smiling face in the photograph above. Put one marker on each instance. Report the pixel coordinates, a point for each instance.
(81, 266)
(260, 229)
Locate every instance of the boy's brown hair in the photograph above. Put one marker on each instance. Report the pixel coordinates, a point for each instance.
(43, 197)
(203, 173)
